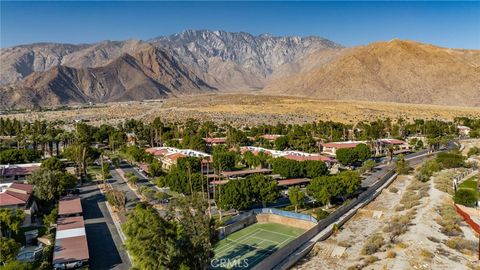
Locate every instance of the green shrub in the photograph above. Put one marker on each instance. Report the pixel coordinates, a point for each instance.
(473, 151)
(467, 197)
(321, 214)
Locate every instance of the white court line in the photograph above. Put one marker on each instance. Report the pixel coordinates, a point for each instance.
(240, 242)
(243, 236)
(263, 239)
(279, 233)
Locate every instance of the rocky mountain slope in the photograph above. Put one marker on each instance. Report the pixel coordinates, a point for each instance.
(149, 73)
(197, 61)
(395, 71)
(238, 60)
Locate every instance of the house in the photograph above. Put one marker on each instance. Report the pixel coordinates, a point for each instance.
(288, 154)
(271, 137)
(13, 172)
(170, 155)
(381, 146)
(332, 147)
(210, 142)
(19, 196)
(463, 131)
(131, 138)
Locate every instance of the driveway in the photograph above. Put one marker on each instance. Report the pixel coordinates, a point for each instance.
(104, 243)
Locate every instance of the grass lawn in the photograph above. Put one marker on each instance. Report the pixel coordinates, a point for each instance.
(470, 183)
(247, 247)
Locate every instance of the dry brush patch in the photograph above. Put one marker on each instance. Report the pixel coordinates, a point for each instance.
(250, 107)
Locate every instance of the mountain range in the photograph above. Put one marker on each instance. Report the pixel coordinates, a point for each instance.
(203, 61)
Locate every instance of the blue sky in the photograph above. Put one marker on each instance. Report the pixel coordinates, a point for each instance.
(449, 24)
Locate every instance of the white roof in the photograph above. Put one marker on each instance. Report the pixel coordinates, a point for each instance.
(70, 233)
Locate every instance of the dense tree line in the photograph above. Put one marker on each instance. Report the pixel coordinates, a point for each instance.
(243, 193)
(184, 239)
(323, 189)
(289, 168)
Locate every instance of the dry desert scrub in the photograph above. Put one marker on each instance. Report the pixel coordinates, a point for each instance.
(373, 244)
(415, 191)
(443, 181)
(449, 220)
(462, 245)
(398, 225)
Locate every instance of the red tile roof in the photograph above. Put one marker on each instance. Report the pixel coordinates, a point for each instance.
(303, 158)
(271, 137)
(6, 199)
(16, 194)
(69, 205)
(20, 186)
(339, 145)
(245, 172)
(156, 152)
(18, 171)
(215, 140)
(175, 156)
(393, 141)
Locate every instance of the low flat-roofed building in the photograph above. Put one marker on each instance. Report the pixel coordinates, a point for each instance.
(69, 205)
(293, 182)
(12, 172)
(71, 247)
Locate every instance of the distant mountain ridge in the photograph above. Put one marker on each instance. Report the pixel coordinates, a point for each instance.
(199, 61)
(394, 71)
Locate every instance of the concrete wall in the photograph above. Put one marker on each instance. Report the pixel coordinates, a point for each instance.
(271, 218)
(231, 228)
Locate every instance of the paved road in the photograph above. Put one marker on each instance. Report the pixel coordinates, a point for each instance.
(118, 183)
(381, 170)
(104, 243)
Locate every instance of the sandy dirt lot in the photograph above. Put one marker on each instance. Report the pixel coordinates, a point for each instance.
(422, 246)
(242, 108)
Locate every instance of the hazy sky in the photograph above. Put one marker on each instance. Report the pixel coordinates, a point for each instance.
(449, 24)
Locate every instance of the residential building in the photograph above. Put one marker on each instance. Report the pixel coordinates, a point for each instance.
(332, 147)
(463, 131)
(15, 172)
(170, 155)
(19, 196)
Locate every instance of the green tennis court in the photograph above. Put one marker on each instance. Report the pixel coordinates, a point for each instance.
(247, 247)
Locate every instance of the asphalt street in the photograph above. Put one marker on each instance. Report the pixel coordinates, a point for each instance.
(104, 243)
